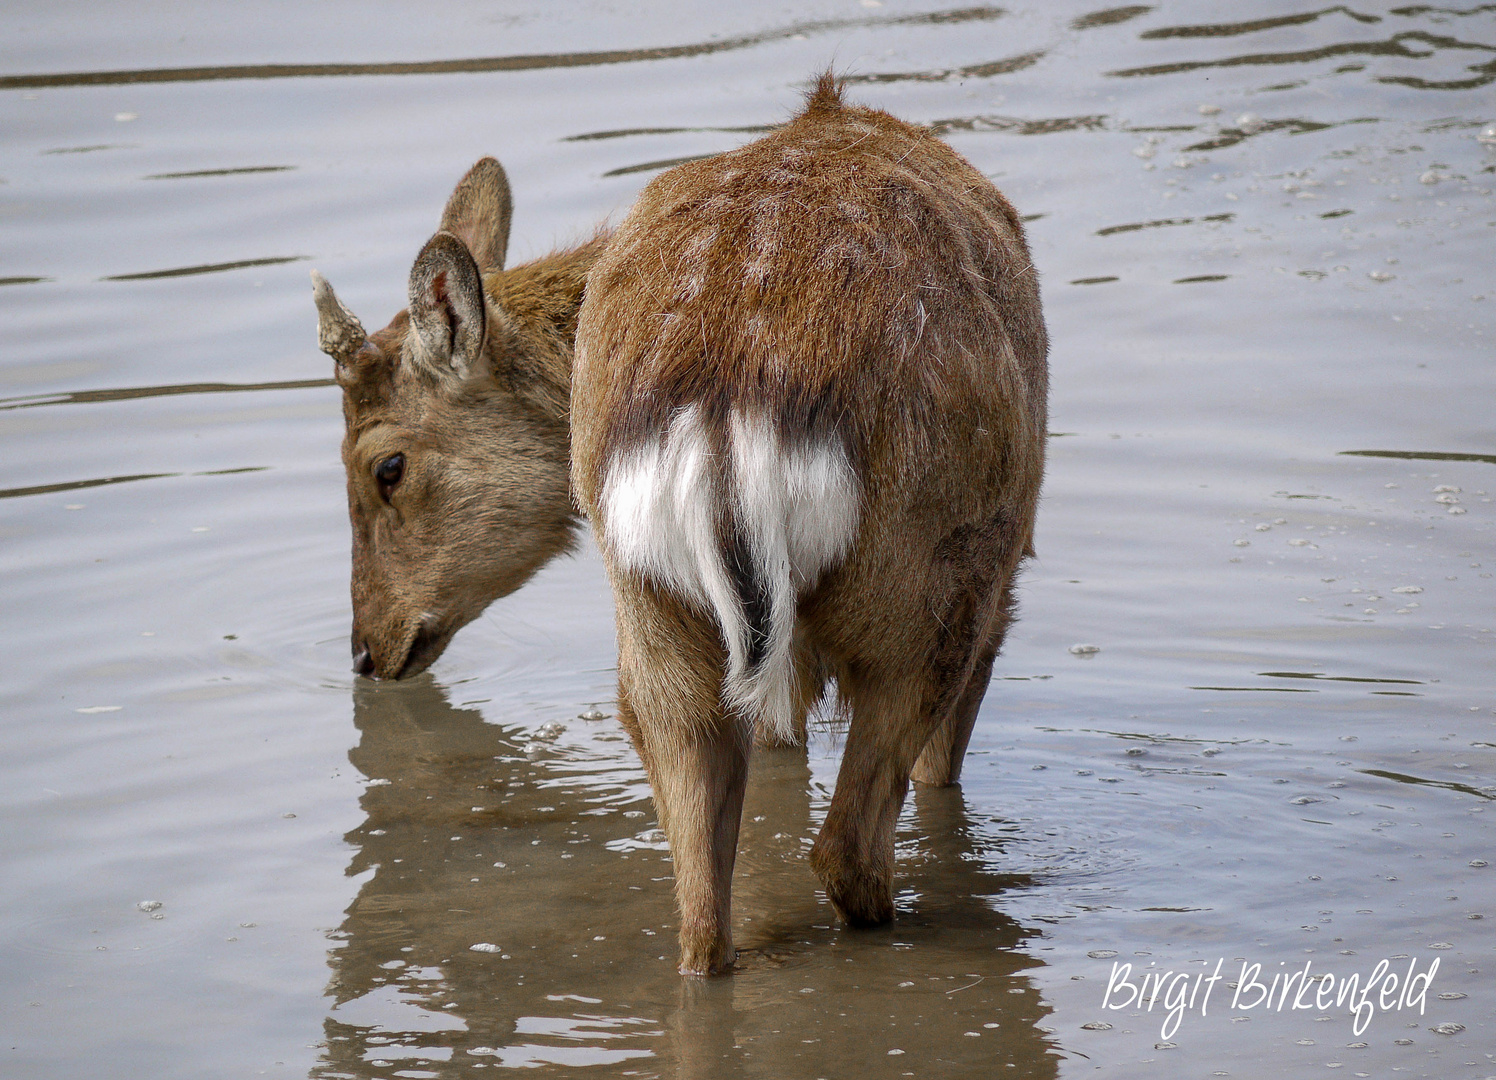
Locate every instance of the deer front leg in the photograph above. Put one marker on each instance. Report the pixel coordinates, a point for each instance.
(940, 763)
(670, 665)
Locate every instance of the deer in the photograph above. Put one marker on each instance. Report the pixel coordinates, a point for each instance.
(800, 395)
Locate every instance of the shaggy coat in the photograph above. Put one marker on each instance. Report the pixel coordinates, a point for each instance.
(806, 417)
(808, 426)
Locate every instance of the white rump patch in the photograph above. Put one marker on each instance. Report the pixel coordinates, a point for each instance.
(796, 508)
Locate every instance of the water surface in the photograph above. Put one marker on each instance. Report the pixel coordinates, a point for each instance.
(1264, 232)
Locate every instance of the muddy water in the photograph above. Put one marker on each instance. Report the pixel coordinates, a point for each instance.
(1265, 231)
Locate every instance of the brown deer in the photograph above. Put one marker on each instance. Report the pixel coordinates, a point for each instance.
(807, 423)
(456, 442)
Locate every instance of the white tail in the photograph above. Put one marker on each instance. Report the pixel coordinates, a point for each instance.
(791, 514)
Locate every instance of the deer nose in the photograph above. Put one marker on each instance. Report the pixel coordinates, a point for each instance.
(363, 663)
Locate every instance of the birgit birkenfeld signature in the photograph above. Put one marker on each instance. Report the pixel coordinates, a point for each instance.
(1384, 988)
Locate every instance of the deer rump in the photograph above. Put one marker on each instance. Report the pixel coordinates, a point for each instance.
(738, 520)
(820, 350)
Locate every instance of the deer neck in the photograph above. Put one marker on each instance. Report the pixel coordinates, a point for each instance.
(539, 302)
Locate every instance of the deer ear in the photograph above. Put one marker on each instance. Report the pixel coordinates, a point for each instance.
(478, 213)
(447, 309)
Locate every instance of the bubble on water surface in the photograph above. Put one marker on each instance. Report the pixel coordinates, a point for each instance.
(90, 710)
(1206, 110)
(484, 946)
(1084, 650)
(1408, 589)
(148, 905)
(1096, 1025)
(1102, 954)
(1447, 1028)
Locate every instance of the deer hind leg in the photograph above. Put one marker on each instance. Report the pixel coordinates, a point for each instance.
(853, 855)
(670, 669)
(895, 714)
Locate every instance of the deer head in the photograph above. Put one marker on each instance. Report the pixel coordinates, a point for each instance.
(456, 445)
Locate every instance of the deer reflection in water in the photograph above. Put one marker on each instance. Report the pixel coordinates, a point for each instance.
(480, 834)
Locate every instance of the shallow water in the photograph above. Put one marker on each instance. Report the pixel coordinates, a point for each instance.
(1264, 232)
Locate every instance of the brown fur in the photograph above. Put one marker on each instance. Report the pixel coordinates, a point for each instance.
(853, 278)
(849, 277)
(480, 414)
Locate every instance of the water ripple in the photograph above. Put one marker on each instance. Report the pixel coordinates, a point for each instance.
(1109, 17)
(1447, 785)
(628, 133)
(1018, 126)
(650, 166)
(489, 63)
(1420, 455)
(104, 481)
(130, 393)
(1160, 223)
(1231, 136)
(971, 71)
(221, 172)
(1254, 25)
(206, 268)
(1393, 46)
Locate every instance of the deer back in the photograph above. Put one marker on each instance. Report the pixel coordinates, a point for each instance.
(798, 355)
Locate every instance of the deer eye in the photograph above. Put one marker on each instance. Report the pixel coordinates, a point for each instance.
(388, 473)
